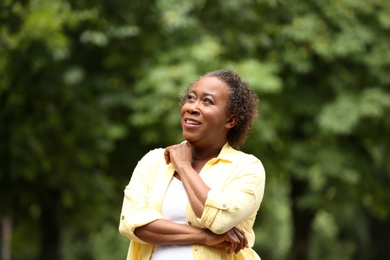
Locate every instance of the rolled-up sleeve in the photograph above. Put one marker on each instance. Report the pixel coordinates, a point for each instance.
(136, 210)
(238, 200)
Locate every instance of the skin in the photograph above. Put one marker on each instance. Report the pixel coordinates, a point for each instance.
(205, 124)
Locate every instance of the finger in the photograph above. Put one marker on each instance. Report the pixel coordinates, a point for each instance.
(234, 242)
(241, 245)
(167, 155)
(231, 248)
(223, 244)
(243, 239)
(240, 238)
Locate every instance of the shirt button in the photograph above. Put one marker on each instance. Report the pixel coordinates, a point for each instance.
(224, 205)
(189, 223)
(196, 249)
(123, 217)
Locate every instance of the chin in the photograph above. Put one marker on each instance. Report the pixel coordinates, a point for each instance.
(189, 138)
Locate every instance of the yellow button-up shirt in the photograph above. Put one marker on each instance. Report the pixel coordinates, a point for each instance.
(237, 183)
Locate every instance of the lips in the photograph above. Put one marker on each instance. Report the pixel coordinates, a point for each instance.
(191, 122)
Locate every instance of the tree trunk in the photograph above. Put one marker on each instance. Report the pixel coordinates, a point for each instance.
(50, 226)
(302, 220)
(6, 236)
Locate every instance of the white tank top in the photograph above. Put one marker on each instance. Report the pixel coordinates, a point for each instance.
(174, 209)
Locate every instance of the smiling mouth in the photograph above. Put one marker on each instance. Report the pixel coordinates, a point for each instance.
(191, 122)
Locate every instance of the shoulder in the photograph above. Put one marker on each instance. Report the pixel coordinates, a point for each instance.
(246, 160)
(155, 152)
(235, 155)
(153, 156)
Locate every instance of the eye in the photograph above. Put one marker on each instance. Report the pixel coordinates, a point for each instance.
(190, 97)
(208, 100)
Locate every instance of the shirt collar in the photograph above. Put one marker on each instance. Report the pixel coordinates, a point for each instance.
(227, 153)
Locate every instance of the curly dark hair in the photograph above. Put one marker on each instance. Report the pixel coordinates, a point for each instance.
(243, 103)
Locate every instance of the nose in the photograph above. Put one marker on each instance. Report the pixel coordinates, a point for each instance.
(193, 108)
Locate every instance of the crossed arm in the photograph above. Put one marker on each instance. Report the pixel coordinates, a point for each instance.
(164, 232)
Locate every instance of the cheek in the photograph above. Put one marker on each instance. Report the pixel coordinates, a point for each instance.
(223, 119)
(182, 110)
(218, 120)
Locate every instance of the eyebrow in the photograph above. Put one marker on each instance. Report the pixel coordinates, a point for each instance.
(205, 94)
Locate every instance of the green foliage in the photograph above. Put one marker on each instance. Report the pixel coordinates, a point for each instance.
(87, 87)
(342, 115)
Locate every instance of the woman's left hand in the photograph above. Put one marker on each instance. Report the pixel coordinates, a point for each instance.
(179, 155)
(234, 239)
(237, 240)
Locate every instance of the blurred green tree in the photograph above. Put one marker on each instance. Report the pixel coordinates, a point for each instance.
(55, 126)
(87, 87)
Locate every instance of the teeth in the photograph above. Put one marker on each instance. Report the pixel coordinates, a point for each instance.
(192, 122)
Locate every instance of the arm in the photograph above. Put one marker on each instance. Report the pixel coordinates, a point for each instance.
(197, 190)
(136, 209)
(237, 199)
(164, 232)
(195, 187)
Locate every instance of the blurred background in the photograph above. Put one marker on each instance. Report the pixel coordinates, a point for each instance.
(87, 87)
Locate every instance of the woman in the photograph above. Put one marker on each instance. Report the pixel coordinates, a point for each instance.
(199, 199)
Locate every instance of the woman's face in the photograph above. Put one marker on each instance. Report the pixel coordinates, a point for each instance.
(204, 117)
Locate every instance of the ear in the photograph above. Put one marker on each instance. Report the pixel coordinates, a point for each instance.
(232, 121)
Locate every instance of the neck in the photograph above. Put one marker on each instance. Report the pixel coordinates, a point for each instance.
(205, 153)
